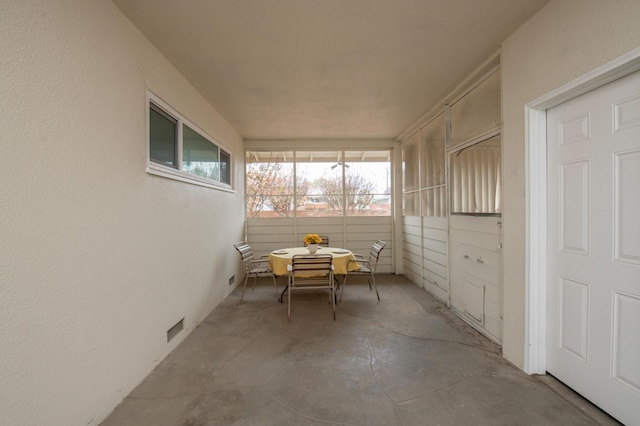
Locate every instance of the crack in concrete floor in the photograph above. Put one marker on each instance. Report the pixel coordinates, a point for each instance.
(405, 360)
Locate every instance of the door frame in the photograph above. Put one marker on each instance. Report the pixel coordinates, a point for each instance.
(536, 199)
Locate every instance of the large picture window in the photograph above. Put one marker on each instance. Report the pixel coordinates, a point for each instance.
(179, 150)
(318, 183)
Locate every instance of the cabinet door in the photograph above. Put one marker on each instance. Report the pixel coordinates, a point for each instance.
(475, 272)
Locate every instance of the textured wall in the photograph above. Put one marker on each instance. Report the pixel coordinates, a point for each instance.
(565, 40)
(97, 258)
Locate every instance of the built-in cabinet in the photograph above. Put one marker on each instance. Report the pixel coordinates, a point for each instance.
(476, 267)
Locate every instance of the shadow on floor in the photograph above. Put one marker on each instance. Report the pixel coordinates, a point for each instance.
(406, 360)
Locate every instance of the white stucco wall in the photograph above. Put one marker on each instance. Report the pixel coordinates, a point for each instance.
(97, 258)
(565, 40)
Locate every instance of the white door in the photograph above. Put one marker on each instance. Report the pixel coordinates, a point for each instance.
(593, 283)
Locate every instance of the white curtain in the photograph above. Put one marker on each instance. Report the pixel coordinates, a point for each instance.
(476, 180)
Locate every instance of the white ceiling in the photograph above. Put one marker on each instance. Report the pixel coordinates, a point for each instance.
(326, 69)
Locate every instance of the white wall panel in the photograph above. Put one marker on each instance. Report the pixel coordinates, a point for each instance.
(425, 254)
(436, 257)
(475, 259)
(411, 249)
(98, 258)
(354, 233)
(551, 49)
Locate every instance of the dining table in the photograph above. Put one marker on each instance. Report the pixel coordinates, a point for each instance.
(279, 260)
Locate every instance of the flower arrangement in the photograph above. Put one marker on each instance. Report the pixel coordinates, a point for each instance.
(312, 239)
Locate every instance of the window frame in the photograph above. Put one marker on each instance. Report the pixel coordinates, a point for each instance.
(297, 156)
(176, 173)
(451, 170)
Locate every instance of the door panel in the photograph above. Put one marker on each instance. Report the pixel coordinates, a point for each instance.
(573, 313)
(575, 206)
(626, 345)
(593, 294)
(627, 225)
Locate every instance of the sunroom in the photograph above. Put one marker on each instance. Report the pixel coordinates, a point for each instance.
(425, 124)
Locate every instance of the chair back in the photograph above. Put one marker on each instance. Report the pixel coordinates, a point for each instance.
(245, 250)
(255, 268)
(374, 254)
(311, 273)
(311, 269)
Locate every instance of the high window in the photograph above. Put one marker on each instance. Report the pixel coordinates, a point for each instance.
(179, 150)
(318, 183)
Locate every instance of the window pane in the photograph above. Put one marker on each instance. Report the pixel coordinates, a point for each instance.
(433, 202)
(162, 137)
(433, 159)
(320, 186)
(475, 178)
(269, 183)
(225, 167)
(410, 204)
(477, 112)
(199, 155)
(319, 183)
(367, 185)
(410, 163)
(269, 206)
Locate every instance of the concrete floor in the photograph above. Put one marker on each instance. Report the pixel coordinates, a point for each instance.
(405, 360)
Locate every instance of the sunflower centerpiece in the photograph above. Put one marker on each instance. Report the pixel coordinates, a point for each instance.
(312, 241)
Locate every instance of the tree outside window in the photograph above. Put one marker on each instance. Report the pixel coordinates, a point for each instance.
(324, 184)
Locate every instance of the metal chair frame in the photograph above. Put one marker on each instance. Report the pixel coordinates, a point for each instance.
(365, 267)
(254, 267)
(311, 272)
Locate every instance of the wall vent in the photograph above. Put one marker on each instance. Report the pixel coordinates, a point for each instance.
(173, 331)
(232, 280)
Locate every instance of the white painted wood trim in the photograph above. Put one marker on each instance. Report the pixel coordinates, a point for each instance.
(326, 144)
(396, 215)
(174, 173)
(536, 240)
(536, 196)
(171, 173)
(481, 138)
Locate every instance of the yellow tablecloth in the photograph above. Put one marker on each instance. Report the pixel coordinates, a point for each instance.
(279, 261)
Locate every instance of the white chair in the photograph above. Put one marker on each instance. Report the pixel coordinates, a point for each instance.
(365, 267)
(311, 272)
(254, 267)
